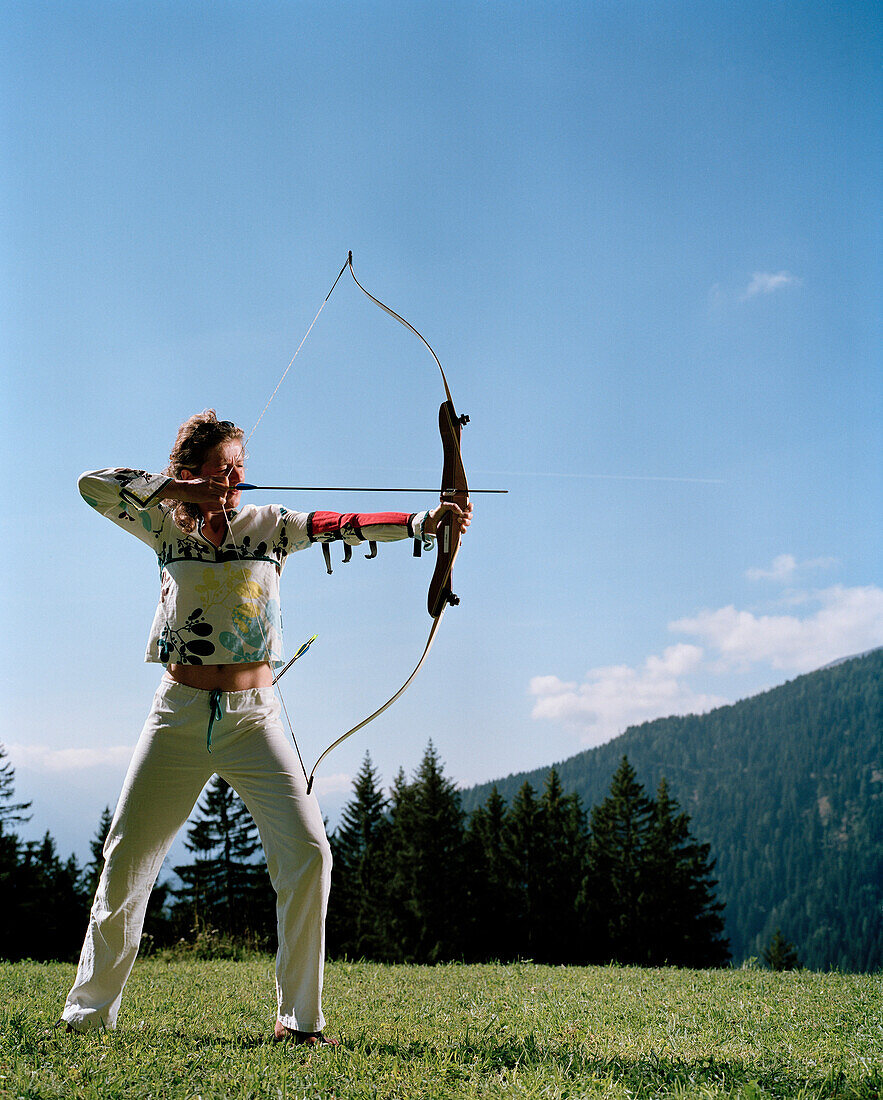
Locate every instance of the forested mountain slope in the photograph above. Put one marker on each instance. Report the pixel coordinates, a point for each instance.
(787, 787)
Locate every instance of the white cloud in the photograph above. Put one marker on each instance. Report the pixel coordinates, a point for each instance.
(782, 569)
(675, 661)
(846, 621)
(42, 758)
(611, 699)
(333, 784)
(765, 282)
(721, 298)
(786, 566)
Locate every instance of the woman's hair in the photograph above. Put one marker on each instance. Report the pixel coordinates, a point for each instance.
(195, 438)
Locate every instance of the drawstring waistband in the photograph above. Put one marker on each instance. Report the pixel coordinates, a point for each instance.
(215, 713)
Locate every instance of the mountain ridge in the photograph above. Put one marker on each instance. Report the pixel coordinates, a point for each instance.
(787, 787)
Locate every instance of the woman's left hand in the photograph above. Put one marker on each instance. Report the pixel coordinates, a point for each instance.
(462, 516)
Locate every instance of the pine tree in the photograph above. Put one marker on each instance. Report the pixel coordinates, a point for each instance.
(11, 813)
(428, 854)
(43, 911)
(649, 894)
(358, 912)
(525, 847)
(224, 887)
(10, 892)
(616, 888)
(403, 924)
(92, 870)
(564, 839)
(781, 954)
(530, 868)
(10, 847)
(491, 934)
(48, 906)
(688, 927)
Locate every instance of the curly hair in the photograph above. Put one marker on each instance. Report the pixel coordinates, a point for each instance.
(195, 438)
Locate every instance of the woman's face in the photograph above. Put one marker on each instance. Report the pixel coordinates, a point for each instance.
(227, 461)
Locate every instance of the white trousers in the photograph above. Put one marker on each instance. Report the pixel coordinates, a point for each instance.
(169, 768)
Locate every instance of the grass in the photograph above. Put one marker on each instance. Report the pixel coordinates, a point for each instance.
(200, 1029)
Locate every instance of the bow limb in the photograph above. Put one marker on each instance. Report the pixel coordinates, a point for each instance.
(389, 702)
(402, 321)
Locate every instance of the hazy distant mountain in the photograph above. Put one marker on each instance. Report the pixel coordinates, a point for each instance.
(787, 787)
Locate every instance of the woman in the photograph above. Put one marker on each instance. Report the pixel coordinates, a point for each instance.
(218, 632)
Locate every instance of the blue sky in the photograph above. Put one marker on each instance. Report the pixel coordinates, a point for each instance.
(644, 240)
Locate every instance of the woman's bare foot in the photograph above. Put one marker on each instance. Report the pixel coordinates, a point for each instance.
(283, 1034)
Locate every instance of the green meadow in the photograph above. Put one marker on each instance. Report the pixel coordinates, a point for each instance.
(200, 1029)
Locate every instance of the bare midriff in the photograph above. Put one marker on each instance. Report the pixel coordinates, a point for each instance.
(222, 677)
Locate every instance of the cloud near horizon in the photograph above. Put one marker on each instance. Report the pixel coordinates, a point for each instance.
(43, 758)
(838, 622)
(334, 784)
(617, 696)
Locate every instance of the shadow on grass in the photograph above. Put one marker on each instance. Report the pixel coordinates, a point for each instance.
(654, 1071)
(489, 1056)
(184, 1039)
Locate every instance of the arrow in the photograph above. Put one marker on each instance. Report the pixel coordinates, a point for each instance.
(299, 653)
(350, 489)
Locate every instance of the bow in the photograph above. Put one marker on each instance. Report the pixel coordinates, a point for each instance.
(454, 489)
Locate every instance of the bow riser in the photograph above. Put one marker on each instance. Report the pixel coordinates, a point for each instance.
(448, 532)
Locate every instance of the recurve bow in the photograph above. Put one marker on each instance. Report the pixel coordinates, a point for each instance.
(455, 489)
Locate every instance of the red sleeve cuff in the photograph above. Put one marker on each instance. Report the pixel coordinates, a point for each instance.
(329, 526)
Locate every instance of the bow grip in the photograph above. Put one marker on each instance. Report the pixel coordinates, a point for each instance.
(448, 533)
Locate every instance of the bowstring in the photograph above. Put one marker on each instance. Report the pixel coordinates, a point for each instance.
(291, 363)
(232, 537)
(264, 639)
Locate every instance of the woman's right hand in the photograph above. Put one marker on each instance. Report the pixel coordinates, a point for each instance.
(211, 491)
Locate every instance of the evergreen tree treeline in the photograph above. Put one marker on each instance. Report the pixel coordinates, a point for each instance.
(415, 881)
(43, 910)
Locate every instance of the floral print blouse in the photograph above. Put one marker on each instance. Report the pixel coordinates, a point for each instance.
(220, 604)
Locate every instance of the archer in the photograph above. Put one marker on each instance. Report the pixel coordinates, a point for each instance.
(218, 632)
